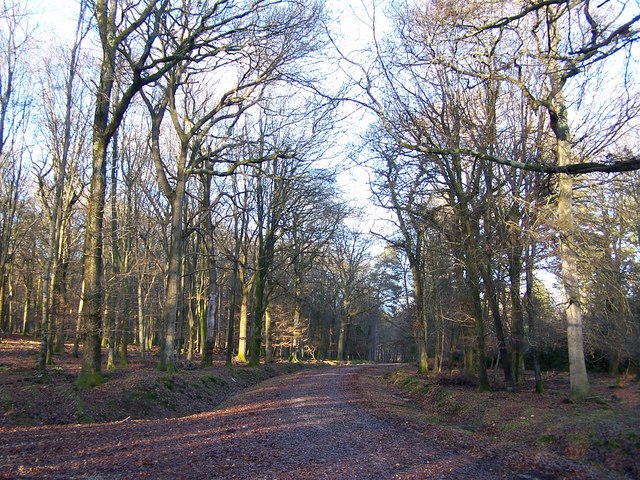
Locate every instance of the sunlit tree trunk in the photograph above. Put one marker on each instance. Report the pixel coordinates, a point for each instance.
(296, 347)
(268, 357)
(238, 227)
(93, 269)
(142, 334)
(245, 289)
(91, 370)
(565, 224)
(342, 337)
(232, 314)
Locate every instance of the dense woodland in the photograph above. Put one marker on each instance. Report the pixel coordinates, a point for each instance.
(169, 180)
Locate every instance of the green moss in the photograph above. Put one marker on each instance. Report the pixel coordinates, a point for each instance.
(634, 438)
(81, 415)
(169, 368)
(168, 382)
(90, 380)
(545, 440)
(244, 372)
(448, 403)
(516, 425)
(420, 390)
(151, 395)
(215, 380)
(398, 375)
(414, 386)
(6, 403)
(84, 418)
(454, 407)
(581, 440)
(612, 444)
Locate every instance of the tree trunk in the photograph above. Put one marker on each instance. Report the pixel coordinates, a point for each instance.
(342, 338)
(268, 354)
(232, 314)
(110, 315)
(559, 121)
(481, 363)
(569, 260)
(142, 337)
(517, 314)
(200, 314)
(174, 274)
(26, 312)
(244, 314)
(124, 343)
(260, 301)
(91, 369)
(421, 315)
(532, 318)
(492, 297)
(266, 246)
(212, 305)
(472, 281)
(296, 342)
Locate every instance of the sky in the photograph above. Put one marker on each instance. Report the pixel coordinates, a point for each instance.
(57, 19)
(352, 32)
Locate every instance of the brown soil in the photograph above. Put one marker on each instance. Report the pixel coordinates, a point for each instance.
(539, 436)
(345, 422)
(139, 391)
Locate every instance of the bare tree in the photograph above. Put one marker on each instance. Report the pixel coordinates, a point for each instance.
(130, 34)
(64, 132)
(15, 104)
(543, 50)
(257, 46)
(350, 262)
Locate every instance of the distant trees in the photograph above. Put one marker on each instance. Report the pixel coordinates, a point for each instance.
(15, 106)
(157, 40)
(212, 145)
(466, 95)
(65, 139)
(209, 91)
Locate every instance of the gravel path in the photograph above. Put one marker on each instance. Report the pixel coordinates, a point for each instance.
(307, 425)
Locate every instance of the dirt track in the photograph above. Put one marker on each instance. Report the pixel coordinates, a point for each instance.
(306, 425)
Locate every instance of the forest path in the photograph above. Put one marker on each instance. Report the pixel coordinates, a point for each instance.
(312, 424)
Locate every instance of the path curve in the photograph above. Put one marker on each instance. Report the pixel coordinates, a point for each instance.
(302, 426)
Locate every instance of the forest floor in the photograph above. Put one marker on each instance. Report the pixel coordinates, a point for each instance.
(343, 422)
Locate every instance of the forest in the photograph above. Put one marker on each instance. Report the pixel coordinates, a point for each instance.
(170, 182)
